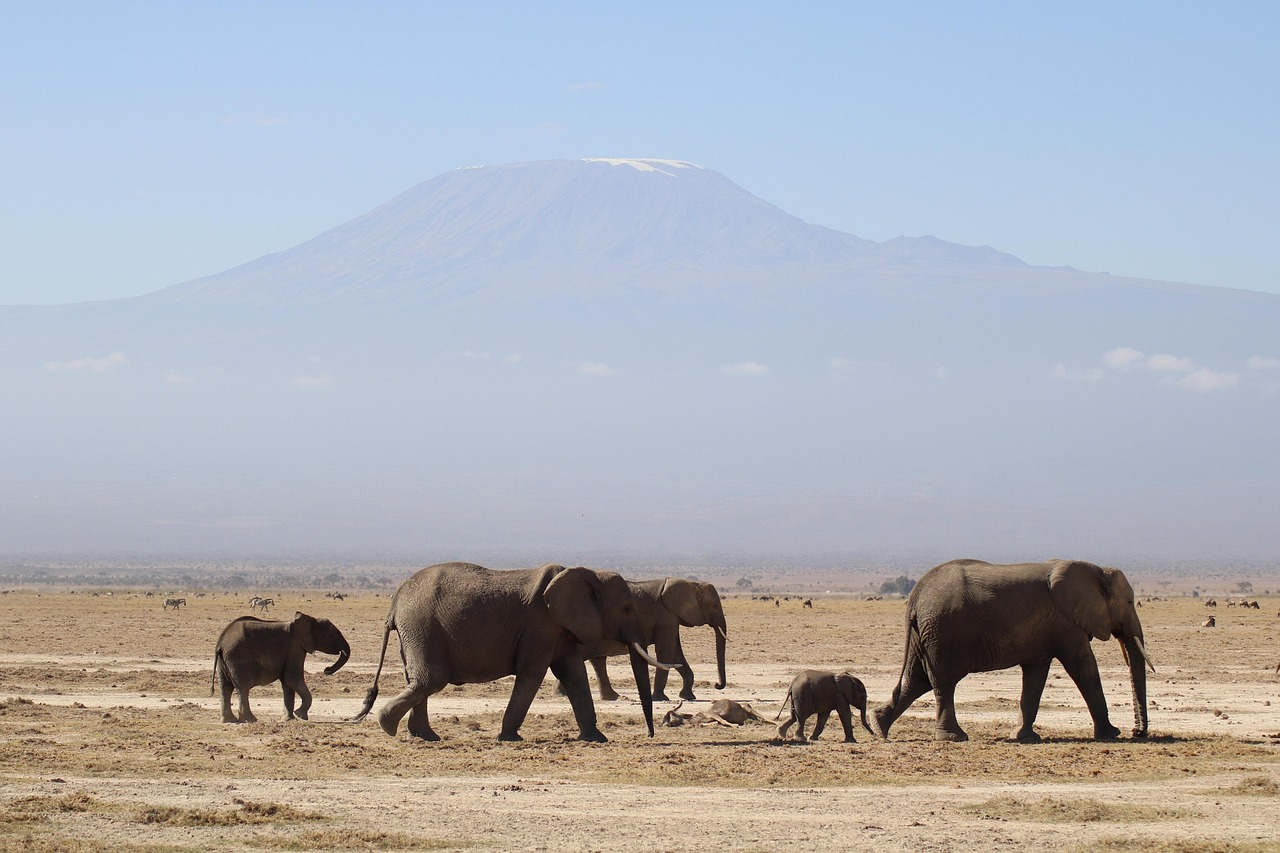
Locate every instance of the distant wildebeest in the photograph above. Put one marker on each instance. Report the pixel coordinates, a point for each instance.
(1209, 623)
(1213, 602)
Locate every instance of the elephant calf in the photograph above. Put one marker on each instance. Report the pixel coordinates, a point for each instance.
(814, 691)
(252, 652)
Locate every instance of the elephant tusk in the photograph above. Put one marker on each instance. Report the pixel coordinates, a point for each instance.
(650, 658)
(1142, 650)
(722, 634)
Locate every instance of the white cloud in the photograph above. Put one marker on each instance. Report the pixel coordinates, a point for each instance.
(1165, 363)
(1122, 357)
(93, 365)
(1096, 374)
(177, 377)
(514, 358)
(1202, 379)
(1261, 362)
(746, 368)
(312, 383)
(595, 368)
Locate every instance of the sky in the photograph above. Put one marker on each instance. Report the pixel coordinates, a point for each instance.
(147, 144)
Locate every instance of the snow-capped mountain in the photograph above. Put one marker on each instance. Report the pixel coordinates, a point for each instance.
(629, 353)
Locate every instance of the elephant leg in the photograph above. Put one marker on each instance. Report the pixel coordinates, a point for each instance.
(522, 695)
(289, 697)
(573, 678)
(246, 716)
(225, 687)
(846, 720)
(948, 727)
(801, 717)
(820, 725)
(412, 699)
(1083, 669)
(601, 666)
(419, 725)
(304, 697)
(786, 724)
(682, 667)
(1034, 676)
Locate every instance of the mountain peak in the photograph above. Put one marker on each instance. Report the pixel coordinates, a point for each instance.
(644, 164)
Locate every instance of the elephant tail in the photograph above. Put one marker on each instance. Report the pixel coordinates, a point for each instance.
(217, 664)
(786, 700)
(371, 696)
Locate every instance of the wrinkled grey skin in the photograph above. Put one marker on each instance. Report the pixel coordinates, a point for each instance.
(252, 652)
(461, 623)
(815, 691)
(969, 616)
(664, 606)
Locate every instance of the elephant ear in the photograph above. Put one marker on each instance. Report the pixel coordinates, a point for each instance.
(573, 600)
(1079, 591)
(681, 598)
(301, 629)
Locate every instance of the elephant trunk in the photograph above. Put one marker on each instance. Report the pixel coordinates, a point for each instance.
(1136, 655)
(640, 669)
(721, 640)
(344, 654)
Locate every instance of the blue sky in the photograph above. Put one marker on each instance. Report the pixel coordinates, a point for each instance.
(146, 144)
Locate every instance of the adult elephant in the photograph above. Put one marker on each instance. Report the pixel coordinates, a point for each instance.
(969, 616)
(460, 623)
(664, 605)
(252, 652)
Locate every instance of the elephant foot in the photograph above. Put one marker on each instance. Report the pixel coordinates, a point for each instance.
(1108, 732)
(1027, 736)
(688, 696)
(229, 719)
(957, 736)
(1139, 734)
(611, 696)
(388, 724)
(593, 736)
(302, 715)
(513, 737)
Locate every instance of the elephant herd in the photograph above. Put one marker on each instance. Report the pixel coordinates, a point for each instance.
(460, 623)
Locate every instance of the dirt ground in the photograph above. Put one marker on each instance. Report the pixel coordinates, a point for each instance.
(110, 740)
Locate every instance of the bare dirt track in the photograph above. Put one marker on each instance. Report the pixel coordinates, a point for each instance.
(109, 739)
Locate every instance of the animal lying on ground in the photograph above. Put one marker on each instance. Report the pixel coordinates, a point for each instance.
(724, 712)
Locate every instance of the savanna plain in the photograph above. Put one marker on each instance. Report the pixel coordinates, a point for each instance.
(110, 739)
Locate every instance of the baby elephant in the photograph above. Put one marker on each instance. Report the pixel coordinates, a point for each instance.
(814, 691)
(252, 652)
(724, 712)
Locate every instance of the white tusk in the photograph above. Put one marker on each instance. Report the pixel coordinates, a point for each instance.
(721, 632)
(650, 658)
(1143, 651)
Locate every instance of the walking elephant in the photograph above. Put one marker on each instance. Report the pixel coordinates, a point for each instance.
(664, 605)
(814, 691)
(461, 623)
(252, 652)
(969, 616)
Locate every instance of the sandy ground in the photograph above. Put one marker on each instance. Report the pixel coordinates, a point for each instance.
(109, 739)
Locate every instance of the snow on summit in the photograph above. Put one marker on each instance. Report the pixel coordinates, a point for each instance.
(644, 164)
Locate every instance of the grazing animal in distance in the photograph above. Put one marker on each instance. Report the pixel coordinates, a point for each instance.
(175, 603)
(1209, 623)
(808, 602)
(1213, 602)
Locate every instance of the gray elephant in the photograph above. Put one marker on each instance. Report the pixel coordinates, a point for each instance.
(969, 616)
(664, 605)
(252, 652)
(815, 691)
(461, 623)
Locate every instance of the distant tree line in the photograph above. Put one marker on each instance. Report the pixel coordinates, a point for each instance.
(901, 585)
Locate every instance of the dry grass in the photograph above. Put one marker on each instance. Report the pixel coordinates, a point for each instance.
(1055, 810)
